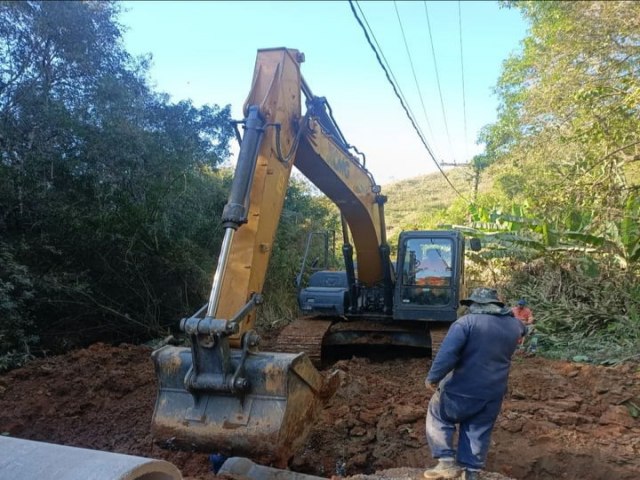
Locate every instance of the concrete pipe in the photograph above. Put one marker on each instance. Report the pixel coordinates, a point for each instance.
(28, 460)
(240, 468)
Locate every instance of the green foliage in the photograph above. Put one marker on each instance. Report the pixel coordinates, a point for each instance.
(422, 203)
(568, 126)
(515, 231)
(109, 198)
(560, 225)
(581, 307)
(16, 327)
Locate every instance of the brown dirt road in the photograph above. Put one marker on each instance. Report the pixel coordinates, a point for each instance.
(559, 421)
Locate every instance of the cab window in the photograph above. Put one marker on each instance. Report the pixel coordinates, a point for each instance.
(427, 271)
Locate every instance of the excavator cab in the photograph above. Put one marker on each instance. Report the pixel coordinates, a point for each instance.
(430, 276)
(430, 281)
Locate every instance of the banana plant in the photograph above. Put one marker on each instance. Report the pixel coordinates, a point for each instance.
(513, 234)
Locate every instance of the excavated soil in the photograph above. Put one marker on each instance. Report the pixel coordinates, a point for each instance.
(559, 420)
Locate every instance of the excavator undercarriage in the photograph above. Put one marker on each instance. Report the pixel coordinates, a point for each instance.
(324, 339)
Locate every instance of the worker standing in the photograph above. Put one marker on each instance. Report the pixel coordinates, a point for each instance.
(525, 315)
(469, 379)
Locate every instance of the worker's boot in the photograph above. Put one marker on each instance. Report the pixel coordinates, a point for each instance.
(446, 468)
(471, 474)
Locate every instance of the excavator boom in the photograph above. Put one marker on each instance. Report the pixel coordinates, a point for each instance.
(222, 394)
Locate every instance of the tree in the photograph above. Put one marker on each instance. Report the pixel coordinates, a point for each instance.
(109, 197)
(563, 214)
(567, 137)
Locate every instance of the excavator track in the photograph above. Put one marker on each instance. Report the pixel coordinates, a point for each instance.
(437, 333)
(304, 335)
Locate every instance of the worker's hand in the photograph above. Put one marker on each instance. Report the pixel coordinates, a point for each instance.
(431, 387)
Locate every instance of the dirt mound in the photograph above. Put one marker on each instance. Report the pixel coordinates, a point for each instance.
(101, 397)
(559, 420)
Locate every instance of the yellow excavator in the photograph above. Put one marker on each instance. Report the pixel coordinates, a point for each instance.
(222, 394)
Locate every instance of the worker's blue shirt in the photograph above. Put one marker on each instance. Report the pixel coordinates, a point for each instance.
(477, 350)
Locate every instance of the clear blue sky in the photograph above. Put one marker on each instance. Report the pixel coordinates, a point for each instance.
(205, 51)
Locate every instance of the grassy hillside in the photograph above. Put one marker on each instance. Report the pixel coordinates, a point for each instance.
(416, 203)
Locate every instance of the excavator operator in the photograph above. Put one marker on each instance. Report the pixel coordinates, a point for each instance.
(432, 269)
(432, 275)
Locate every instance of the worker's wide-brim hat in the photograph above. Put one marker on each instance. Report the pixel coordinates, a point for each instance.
(483, 295)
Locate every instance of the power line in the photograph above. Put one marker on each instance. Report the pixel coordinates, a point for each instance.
(398, 94)
(415, 78)
(390, 76)
(388, 66)
(402, 103)
(464, 101)
(435, 64)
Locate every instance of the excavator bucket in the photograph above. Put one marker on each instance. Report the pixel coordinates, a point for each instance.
(268, 423)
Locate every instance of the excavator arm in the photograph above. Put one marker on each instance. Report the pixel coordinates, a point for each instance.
(323, 157)
(223, 394)
(281, 138)
(272, 133)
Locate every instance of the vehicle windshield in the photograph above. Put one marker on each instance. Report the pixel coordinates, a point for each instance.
(427, 271)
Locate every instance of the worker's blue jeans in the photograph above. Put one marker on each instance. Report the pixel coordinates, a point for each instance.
(476, 418)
